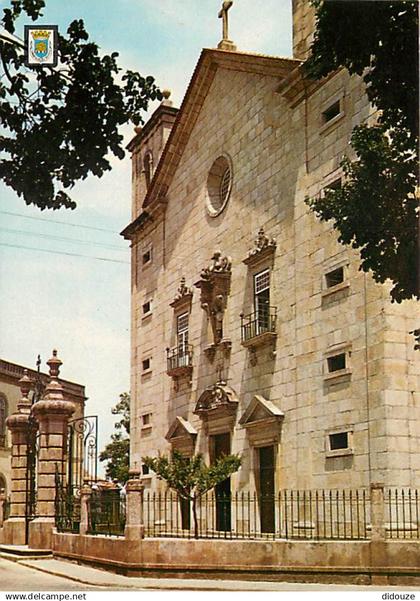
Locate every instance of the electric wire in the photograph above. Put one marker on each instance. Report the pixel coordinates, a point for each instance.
(64, 239)
(57, 252)
(87, 227)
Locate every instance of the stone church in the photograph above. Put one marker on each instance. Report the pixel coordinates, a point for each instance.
(253, 329)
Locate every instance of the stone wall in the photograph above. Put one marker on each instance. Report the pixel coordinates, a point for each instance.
(389, 562)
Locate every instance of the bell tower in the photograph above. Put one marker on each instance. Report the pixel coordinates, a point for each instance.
(303, 28)
(147, 147)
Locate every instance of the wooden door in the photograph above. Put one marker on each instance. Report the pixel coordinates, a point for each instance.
(267, 491)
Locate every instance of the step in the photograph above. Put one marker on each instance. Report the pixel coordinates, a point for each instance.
(24, 551)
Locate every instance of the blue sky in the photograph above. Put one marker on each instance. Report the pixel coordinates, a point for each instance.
(81, 305)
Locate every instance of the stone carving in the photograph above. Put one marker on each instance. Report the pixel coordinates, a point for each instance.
(262, 245)
(217, 396)
(219, 264)
(215, 285)
(183, 294)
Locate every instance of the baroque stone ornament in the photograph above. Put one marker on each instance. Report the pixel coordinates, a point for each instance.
(215, 287)
(183, 295)
(217, 397)
(263, 247)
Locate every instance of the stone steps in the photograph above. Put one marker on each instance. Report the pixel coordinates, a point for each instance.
(23, 552)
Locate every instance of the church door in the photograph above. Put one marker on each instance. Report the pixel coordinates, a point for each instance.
(267, 494)
(221, 446)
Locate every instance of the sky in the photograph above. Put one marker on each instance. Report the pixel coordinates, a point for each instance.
(65, 275)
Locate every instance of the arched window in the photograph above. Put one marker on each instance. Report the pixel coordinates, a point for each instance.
(148, 167)
(3, 484)
(3, 415)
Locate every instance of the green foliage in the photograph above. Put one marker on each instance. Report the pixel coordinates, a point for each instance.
(60, 125)
(123, 408)
(117, 452)
(376, 210)
(190, 477)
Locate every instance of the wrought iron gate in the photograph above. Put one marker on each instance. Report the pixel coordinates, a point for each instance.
(79, 466)
(32, 449)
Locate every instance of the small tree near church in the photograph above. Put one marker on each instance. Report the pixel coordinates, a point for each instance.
(117, 452)
(190, 477)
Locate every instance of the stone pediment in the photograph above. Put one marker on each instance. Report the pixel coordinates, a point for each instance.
(262, 419)
(260, 409)
(181, 435)
(180, 428)
(211, 60)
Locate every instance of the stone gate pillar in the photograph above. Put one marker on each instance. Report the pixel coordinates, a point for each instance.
(18, 424)
(134, 525)
(52, 413)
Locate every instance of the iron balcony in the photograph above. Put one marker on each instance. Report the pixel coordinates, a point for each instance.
(258, 327)
(179, 360)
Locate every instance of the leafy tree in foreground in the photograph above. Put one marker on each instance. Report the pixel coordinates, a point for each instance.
(376, 209)
(117, 452)
(190, 477)
(60, 124)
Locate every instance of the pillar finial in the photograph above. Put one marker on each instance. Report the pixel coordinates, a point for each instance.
(25, 385)
(54, 364)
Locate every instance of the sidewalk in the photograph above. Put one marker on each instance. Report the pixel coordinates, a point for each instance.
(100, 578)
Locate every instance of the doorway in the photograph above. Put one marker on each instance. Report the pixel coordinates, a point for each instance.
(266, 469)
(220, 445)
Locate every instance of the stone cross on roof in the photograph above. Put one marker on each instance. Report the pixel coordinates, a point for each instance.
(225, 43)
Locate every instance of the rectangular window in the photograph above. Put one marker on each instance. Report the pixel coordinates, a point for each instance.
(145, 364)
(335, 277)
(145, 470)
(147, 256)
(182, 323)
(147, 307)
(339, 440)
(146, 419)
(262, 301)
(332, 111)
(336, 362)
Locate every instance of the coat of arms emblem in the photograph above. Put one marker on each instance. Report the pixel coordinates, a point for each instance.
(41, 45)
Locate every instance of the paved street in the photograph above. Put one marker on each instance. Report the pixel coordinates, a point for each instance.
(16, 577)
(54, 575)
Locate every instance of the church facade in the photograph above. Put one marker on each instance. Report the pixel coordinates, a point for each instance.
(253, 329)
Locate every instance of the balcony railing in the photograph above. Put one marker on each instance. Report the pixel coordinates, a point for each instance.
(258, 326)
(179, 360)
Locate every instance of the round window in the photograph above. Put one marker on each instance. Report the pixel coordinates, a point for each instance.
(219, 185)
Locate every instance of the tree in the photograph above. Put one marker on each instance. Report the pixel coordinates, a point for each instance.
(376, 209)
(117, 452)
(190, 477)
(60, 124)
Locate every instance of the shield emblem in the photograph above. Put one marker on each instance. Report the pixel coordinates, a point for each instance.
(41, 47)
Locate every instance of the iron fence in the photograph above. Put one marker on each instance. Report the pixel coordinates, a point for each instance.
(106, 514)
(67, 507)
(319, 514)
(402, 513)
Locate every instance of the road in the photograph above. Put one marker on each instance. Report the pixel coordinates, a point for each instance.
(16, 577)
